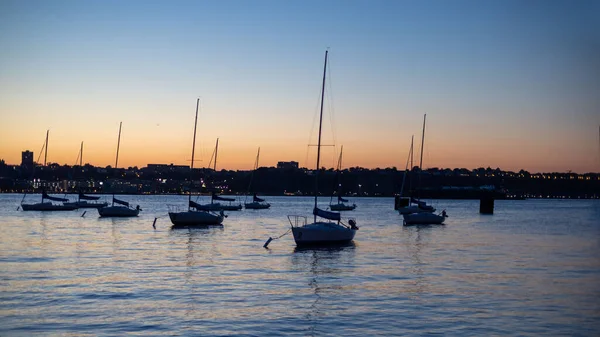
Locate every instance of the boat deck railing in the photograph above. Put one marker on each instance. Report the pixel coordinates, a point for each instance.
(297, 220)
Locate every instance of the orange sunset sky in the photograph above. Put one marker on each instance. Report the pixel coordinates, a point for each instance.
(506, 84)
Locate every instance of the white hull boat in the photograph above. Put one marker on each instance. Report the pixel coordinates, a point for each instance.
(323, 233)
(85, 204)
(332, 231)
(424, 219)
(47, 206)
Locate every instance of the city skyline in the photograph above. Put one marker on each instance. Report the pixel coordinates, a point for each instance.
(504, 84)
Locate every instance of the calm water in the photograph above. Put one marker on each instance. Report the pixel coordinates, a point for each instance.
(532, 268)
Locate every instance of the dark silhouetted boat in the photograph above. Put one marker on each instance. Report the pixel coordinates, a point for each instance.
(426, 216)
(85, 201)
(257, 203)
(122, 208)
(341, 206)
(195, 214)
(44, 205)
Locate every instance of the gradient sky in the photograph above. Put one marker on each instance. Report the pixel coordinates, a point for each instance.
(509, 84)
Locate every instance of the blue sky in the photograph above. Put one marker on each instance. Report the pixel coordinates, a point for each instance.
(504, 83)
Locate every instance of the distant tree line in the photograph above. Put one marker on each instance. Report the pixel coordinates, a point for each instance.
(355, 181)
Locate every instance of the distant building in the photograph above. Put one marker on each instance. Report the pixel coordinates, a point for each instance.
(27, 158)
(165, 168)
(287, 165)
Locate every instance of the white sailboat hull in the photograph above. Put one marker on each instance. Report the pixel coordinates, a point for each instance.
(118, 211)
(257, 205)
(322, 233)
(423, 219)
(195, 218)
(47, 206)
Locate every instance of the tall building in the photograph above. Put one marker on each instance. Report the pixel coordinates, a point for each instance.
(27, 158)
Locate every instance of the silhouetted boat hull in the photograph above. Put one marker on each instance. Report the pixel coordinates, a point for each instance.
(195, 218)
(118, 211)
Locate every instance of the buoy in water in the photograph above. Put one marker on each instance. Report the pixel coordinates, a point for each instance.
(268, 241)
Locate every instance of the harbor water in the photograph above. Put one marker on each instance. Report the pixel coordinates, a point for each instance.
(531, 268)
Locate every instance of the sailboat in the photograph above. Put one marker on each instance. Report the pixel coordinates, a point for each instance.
(321, 232)
(195, 215)
(215, 205)
(409, 205)
(82, 199)
(44, 205)
(340, 206)
(427, 217)
(122, 209)
(257, 203)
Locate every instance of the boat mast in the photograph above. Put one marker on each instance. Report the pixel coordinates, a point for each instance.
(117, 159)
(421, 160)
(339, 173)
(255, 168)
(46, 148)
(193, 149)
(319, 141)
(81, 168)
(45, 157)
(409, 159)
(216, 152)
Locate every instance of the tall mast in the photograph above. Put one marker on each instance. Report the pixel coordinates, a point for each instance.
(257, 156)
(421, 160)
(406, 168)
(81, 168)
(319, 142)
(216, 152)
(339, 174)
(118, 145)
(340, 159)
(46, 147)
(193, 149)
(255, 168)
(410, 178)
(117, 159)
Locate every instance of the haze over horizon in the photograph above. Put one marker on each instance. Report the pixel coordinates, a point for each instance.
(506, 84)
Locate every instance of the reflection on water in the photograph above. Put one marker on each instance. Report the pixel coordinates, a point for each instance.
(325, 269)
